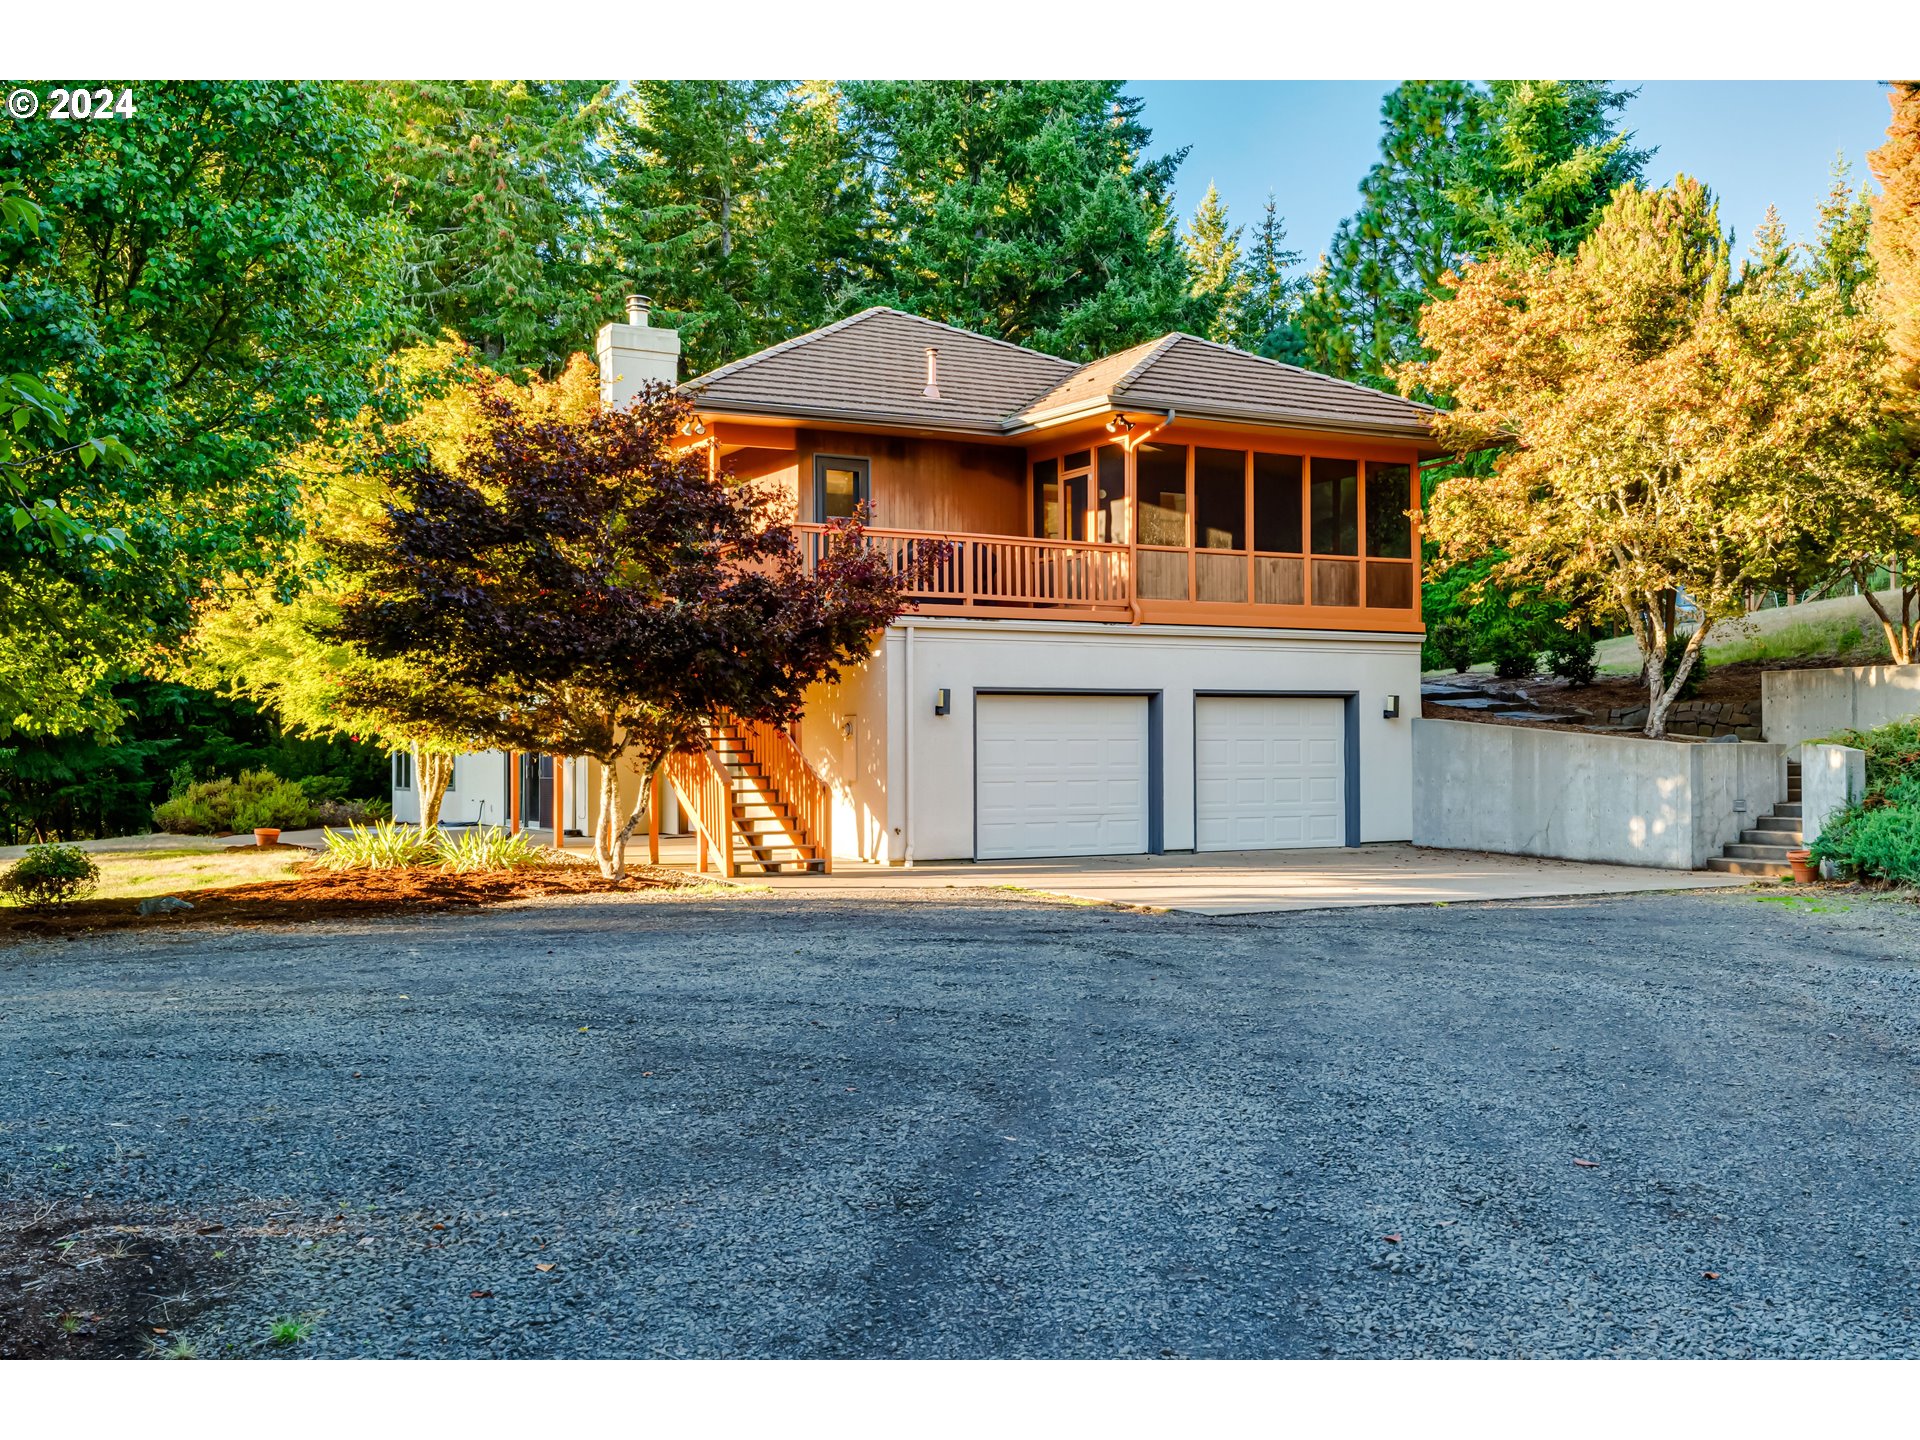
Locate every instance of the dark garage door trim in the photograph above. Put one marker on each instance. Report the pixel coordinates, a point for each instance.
(1351, 709)
(1156, 747)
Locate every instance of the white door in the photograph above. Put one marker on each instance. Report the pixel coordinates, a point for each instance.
(1270, 772)
(1060, 775)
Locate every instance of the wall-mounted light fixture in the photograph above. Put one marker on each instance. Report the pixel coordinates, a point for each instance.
(1391, 710)
(943, 702)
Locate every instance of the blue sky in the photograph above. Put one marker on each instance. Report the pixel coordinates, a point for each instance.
(1310, 142)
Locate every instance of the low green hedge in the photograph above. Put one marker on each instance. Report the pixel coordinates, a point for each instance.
(1878, 838)
(252, 800)
(51, 875)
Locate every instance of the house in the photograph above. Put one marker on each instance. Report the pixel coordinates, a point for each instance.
(1180, 609)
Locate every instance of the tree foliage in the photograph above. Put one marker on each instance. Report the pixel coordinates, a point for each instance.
(208, 282)
(616, 590)
(1024, 210)
(1661, 424)
(500, 187)
(1465, 173)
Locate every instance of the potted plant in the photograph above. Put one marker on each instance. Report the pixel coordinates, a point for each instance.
(1803, 868)
(268, 835)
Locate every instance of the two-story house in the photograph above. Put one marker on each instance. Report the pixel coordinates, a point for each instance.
(1180, 608)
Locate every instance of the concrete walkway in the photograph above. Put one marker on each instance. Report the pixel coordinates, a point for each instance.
(1255, 882)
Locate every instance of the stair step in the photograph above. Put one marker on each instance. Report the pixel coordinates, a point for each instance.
(1726, 865)
(1764, 836)
(1778, 824)
(1786, 808)
(1761, 851)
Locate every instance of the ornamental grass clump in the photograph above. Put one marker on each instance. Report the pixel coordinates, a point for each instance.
(50, 875)
(488, 848)
(382, 845)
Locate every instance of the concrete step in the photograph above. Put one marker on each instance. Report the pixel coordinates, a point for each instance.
(1762, 851)
(1781, 823)
(1727, 865)
(1792, 839)
(1791, 807)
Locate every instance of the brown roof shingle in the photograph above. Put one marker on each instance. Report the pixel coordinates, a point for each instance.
(871, 367)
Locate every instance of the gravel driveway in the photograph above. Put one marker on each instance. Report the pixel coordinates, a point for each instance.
(972, 1124)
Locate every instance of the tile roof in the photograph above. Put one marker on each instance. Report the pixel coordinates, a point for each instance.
(871, 367)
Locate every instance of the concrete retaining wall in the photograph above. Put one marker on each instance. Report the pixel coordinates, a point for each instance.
(1832, 777)
(1520, 791)
(1799, 705)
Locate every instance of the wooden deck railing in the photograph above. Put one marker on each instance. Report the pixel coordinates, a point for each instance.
(979, 574)
(706, 795)
(789, 778)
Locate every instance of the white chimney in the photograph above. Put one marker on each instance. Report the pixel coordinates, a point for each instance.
(932, 392)
(635, 354)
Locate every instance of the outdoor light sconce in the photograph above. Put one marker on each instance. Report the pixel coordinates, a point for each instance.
(1391, 710)
(943, 702)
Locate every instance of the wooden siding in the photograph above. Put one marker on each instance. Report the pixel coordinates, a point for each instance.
(946, 486)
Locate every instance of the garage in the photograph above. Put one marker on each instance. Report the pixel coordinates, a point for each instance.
(1270, 772)
(1061, 775)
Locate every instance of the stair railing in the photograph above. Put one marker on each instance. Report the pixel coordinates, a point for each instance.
(807, 796)
(706, 794)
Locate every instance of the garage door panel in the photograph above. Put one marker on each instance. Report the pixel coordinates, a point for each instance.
(1060, 775)
(1270, 772)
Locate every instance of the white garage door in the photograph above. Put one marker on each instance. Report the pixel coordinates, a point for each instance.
(1060, 775)
(1271, 772)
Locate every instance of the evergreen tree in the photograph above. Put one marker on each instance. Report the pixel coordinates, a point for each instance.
(1842, 255)
(1220, 283)
(739, 206)
(1896, 228)
(1464, 172)
(498, 183)
(1024, 210)
(1268, 322)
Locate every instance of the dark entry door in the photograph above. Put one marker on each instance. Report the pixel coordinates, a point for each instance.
(536, 792)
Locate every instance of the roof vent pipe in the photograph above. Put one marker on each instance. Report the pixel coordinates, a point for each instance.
(637, 309)
(932, 392)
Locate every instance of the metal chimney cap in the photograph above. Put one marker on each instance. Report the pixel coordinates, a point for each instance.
(637, 306)
(932, 392)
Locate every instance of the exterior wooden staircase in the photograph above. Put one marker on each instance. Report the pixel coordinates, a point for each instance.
(754, 801)
(1762, 851)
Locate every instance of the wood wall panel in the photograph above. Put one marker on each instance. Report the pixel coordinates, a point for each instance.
(1163, 574)
(1389, 585)
(941, 485)
(1220, 578)
(1336, 582)
(1279, 580)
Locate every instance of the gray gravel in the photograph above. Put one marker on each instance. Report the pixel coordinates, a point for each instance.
(971, 1124)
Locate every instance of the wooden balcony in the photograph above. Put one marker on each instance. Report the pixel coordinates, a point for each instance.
(990, 576)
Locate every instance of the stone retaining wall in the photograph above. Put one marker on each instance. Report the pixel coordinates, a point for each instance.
(1710, 718)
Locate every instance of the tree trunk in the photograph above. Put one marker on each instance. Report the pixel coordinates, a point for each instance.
(1902, 633)
(609, 840)
(432, 772)
(1660, 697)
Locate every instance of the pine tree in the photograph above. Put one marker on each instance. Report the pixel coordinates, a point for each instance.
(1220, 284)
(1024, 210)
(1464, 172)
(498, 183)
(1268, 322)
(1842, 256)
(738, 206)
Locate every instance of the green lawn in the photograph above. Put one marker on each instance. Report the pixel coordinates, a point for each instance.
(137, 874)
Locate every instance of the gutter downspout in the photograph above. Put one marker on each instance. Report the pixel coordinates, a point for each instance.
(907, 767)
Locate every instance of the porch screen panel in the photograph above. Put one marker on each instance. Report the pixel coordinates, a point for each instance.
(1046, 498)
(1160, 471)
(1110, 516)
(1220, 499)
(1276, 504)
(1389, 530)
(1336, 506)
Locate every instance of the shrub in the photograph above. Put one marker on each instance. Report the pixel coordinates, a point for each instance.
(1676, 647)
(51, 875)
(1570, 655)
(255, 799)
(1511, 649)
(1877, 842)
(1892, 752)
(490, 848)
(382, 845)
(323, 788)
(337, 814)
(1450, 644)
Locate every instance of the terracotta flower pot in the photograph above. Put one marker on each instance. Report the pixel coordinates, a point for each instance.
(266, 836)
(1804, 872)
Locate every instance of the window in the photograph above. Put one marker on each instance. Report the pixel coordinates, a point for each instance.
(1220, 499)
(1335, 486)
(1046, 498)
(402, 770)
(840, 485)
(1161, 473)
(1389, 531)
(1110, 517)
(1276, 504)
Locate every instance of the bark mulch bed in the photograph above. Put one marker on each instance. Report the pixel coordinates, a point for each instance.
(315, 894)
(80, 1285)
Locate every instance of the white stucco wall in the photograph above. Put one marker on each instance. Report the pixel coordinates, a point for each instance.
(929, 760)
(1622, 800)
(1801, 705)
(843, 734)
(479, 794)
